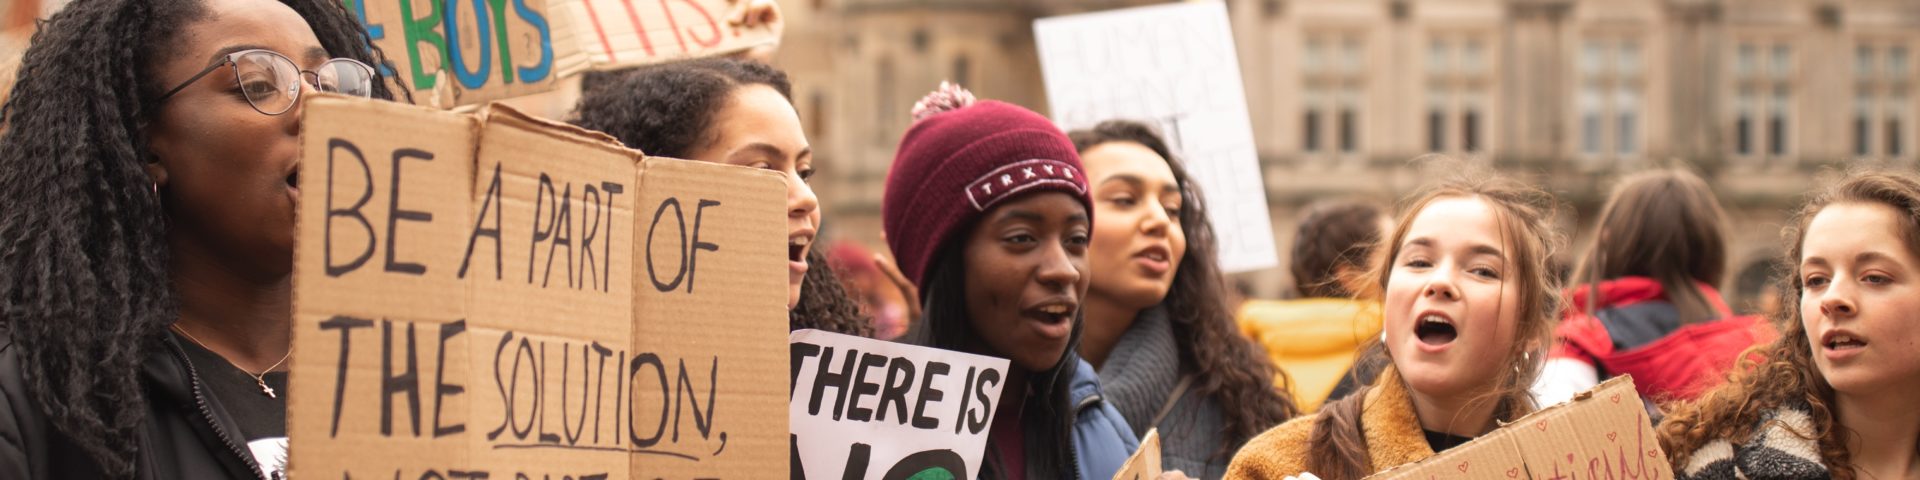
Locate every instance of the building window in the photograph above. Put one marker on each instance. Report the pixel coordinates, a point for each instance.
(1863, 125)
(1334, 79)
(1470, 130)
(1609, 100)
(1894, 134)
(1880, 99)
(1437, 130)
(1777, 123)
(1458, 75)
(963, 71)
(817, 114)
(1744, 115)
(887, 113)
(1763, 109)
(1349, 138)
(1310, 131)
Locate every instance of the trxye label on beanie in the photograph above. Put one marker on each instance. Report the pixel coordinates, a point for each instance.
(1017, 177)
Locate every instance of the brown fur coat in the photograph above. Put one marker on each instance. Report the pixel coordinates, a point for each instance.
(1392, 430)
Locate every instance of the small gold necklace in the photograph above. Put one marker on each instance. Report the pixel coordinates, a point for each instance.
(258, 378)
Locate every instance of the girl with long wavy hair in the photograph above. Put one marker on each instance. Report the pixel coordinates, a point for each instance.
(146, 247)
(1833, 396)
(1468, 304)
(1157, 325)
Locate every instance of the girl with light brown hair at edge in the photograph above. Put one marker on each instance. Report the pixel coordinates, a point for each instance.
(1833, 396)
(1468, 305)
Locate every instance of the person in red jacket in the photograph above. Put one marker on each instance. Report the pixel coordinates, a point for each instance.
(1649, 307)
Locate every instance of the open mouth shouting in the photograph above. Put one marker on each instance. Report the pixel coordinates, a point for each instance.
(797, 245)
(1052, 318)
(1435, 330)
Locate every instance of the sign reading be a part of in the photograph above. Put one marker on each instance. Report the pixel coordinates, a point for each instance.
(497, 296)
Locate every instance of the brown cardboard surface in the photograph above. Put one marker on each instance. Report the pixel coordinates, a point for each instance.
(1601, 434)
(488, 311)
(1145, 462)
(617, 33)
(710, 278)
(493, 49)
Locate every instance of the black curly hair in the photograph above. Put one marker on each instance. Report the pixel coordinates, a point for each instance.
(668, 110)
(1228, 367)
(86, 294)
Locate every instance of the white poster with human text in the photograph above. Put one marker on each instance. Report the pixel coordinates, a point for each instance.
(1171, 66)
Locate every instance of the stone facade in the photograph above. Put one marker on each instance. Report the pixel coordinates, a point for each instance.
(1761, 97)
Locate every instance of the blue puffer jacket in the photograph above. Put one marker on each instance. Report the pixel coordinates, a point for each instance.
(1101, 439)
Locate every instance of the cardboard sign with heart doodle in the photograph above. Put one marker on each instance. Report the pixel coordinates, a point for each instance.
(1602, 433)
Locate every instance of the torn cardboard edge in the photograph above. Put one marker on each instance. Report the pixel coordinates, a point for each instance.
(1145, 462)
(1602, 433)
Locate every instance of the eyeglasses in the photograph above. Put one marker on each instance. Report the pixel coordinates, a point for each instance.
(271, 81)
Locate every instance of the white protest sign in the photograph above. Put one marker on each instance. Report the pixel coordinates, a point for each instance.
(871, 409)
(1171, 66)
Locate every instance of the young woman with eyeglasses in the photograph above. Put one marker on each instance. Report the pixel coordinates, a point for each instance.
(147, 171)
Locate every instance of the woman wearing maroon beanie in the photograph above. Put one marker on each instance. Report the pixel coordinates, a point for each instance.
(986, 210)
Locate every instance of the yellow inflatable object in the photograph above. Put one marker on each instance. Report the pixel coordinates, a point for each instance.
(1314, 341)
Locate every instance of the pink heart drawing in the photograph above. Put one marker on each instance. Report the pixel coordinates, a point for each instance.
(1612, 435)
(1513, 472)
(1542, 425)
(1462, 467)
(1616, 398)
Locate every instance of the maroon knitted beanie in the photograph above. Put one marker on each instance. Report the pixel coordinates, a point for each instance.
(959, 160)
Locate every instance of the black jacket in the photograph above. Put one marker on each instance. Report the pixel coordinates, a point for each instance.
(185, 435)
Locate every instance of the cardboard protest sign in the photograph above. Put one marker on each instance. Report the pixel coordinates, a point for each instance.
(479, 296)
(870, 409)
(464, 52)
(1145, 462)
(1603, 433)
(1171, 66)
(616, 33)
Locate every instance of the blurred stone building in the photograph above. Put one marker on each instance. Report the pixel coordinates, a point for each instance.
(1759, 96)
